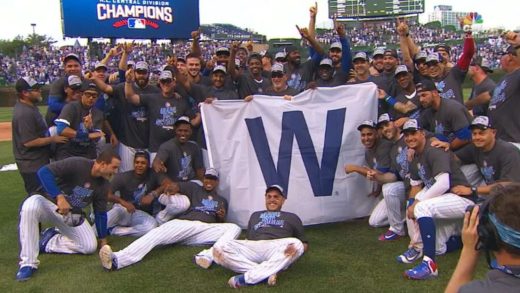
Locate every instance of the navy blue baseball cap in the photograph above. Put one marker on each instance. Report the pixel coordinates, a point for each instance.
(277, 188)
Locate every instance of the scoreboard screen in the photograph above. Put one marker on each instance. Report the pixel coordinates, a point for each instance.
(373, 8)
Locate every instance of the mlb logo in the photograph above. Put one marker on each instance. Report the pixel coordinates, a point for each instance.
(136, 23)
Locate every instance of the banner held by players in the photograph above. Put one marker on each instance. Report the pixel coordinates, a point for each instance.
(302, 145)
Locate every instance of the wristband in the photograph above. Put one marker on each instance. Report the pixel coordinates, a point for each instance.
(154, 194)
(474, 192)
(390, 100)
(410, 202)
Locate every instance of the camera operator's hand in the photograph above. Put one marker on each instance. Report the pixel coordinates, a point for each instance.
(469, 228)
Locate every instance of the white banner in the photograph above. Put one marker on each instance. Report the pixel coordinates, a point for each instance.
(302, 145)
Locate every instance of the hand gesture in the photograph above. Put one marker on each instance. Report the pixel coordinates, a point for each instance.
(350, 168)
(235, 45)
(313, 10)
(290, 250)
(461, 190)
(195, 34)
(249, 45)
(402, 27)
(113, 78)
(304, 32)
(511, 38)
(87, 121)
(147, 200)
(59, 139)
(96, 135)
(128, 47)
(115, 51)
(371, 175)
(129, 75)
(172, 61)
(441, 145)
(221, 213)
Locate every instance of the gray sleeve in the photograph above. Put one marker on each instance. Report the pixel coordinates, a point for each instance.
(67, 115)
(117, 182)
(299, 233)
(459, 120)
(26, 129)
(439, 160)
(466, 154)
(164, 151)
(57, 88)
(197, 157)
(509, 167)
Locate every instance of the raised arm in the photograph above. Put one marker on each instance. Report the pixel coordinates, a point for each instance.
(467, 52)
(113, 52)
(130, 94)
(313, 11)
(195, 46)
(304, 32)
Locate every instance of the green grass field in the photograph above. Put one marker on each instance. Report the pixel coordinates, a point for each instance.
(343, 257)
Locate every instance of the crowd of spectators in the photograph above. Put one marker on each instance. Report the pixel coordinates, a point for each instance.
(43, 64)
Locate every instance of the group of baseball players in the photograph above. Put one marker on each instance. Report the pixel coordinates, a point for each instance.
(139, 146)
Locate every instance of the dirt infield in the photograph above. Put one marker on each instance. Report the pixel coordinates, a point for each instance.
(5, 131)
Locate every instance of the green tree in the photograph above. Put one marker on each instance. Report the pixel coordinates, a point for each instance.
(433, 25)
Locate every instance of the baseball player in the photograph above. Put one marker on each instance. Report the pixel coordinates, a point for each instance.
(134, 121)
(377, 159)
(496, 159)
(201, 224)
(82, 123)
(432, 173)
(395, 182)
(30, 138)
(70, 185)
(275, 240)
(163, 108)
(179, 160)
(132, 212)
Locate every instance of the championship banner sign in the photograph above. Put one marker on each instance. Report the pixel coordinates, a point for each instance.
(130, 19)
(301, 145)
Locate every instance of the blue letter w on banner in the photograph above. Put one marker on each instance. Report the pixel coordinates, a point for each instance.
(294, 125)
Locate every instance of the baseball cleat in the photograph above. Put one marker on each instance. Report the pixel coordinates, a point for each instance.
(25, 273)
(202, 261)
(427, 269)
(107, 258)
(271, 281)
(389, 236)
(45, 237)
(410, 256)
(237, 281)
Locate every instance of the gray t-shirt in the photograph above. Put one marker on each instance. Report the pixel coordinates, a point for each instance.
(287, 92)
(434, 161)
(450, 85)
(400, 165)
(267, 225)
(57, 90)
(501, 163)
(163, 112)
(495, 281)
(378, 157)
(132, 187)
(28, 125)
(74, 178)
(72, 115)
(443, 123)
(181, 160)
(504, 105)
(204, 204)
(487, 85)
(300, 76)
(134, 118)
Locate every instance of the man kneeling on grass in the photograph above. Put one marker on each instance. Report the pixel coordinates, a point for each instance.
(275, 239)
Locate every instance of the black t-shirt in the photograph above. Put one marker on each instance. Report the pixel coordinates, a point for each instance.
(202, 92)
(403, 98)
(74, 178)
(286, 92)
(204, 204)
(181, 160)
(132, 187)
(434, 161)
(72, 115)
(134, 118)
(495, 281)
(504, 105)
(267, 225)
(28, 125)
(163, 112)
(248, 86)
(300, 76)
(501, 163)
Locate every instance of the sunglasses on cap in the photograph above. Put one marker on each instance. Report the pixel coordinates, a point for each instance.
(166, 81)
